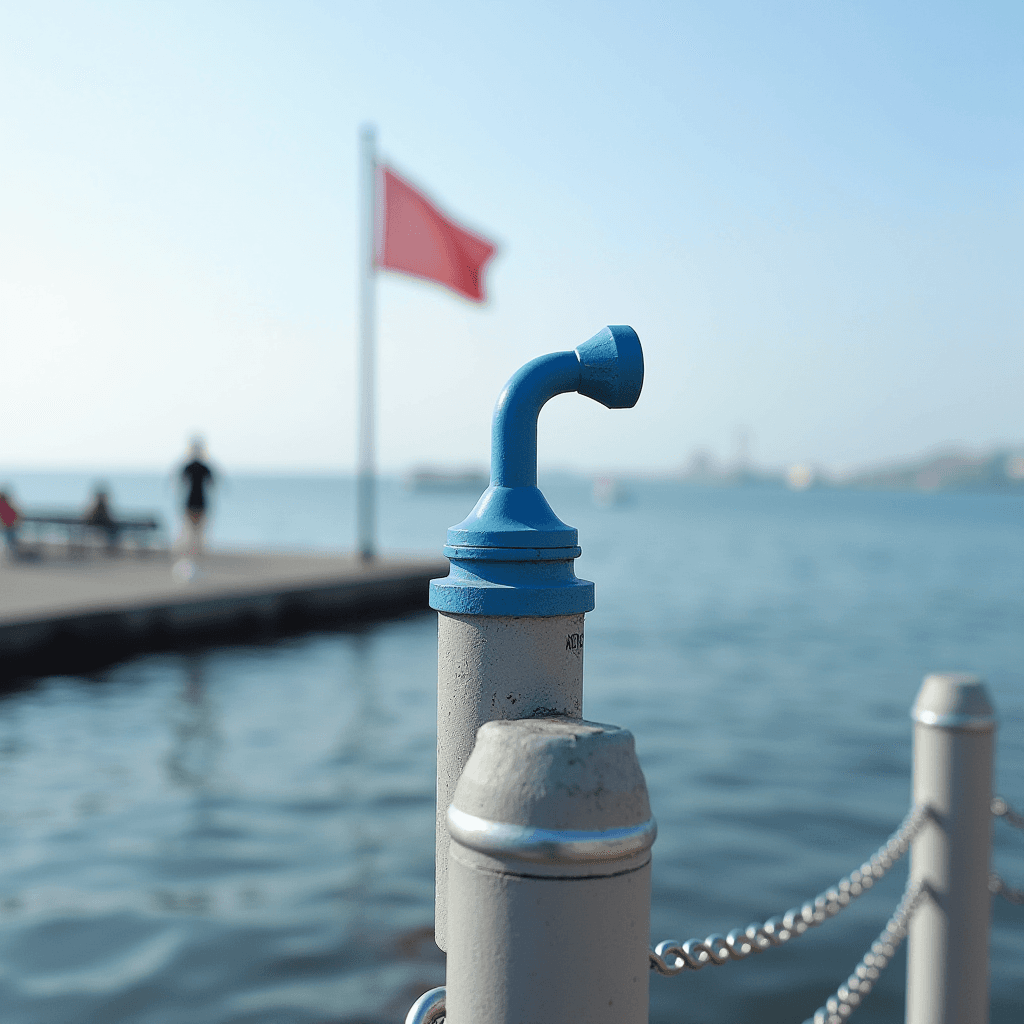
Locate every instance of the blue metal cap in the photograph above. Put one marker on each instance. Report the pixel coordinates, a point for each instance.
(512, 555)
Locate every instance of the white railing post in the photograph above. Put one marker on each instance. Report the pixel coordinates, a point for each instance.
(549, 883)
(947, 945)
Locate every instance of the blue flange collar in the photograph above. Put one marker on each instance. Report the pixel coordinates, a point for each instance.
(512, 555)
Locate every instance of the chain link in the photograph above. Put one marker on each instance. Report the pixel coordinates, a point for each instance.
(1001, 809)
(672, 957)
(429, 1008)
(849, 996)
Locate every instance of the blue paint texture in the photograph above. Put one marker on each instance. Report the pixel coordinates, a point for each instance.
(512, 555)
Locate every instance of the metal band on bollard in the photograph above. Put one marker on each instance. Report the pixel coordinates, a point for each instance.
(947, 944)
(548, 845)
(549, 877)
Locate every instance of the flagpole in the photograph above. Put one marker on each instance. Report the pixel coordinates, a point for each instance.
(366, 479)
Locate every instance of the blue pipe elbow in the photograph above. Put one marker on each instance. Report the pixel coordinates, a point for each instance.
(512, 555)
(608, 368)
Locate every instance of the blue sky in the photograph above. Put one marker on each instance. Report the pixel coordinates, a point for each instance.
(811, 213)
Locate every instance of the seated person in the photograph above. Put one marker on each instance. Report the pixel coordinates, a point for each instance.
(9, 518)
(100, 517)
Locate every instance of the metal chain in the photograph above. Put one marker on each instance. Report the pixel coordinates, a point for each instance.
(672, 957)
(1001, 809)
(429, 1008)
(849, 996)
(1008, 892)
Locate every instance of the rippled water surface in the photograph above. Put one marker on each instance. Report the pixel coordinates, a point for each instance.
(245, 834)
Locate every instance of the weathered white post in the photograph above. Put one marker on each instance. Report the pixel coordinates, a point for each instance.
(947, 944)
(549, 888)
(510, 613)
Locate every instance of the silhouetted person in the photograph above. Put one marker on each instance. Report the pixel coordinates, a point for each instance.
(197, 478)
(100, 516)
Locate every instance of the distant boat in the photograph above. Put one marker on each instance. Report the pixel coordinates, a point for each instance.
(607, 491)
(448, 480)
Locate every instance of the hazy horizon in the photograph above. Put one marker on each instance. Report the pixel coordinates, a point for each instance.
(724, 462)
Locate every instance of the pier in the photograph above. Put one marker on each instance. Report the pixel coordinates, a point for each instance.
(65, 611)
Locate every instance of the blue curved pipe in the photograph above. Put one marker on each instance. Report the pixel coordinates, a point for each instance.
(512, 555)
(514, 425)
(608, 368)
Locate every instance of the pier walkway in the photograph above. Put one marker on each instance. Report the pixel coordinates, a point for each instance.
(63, 611)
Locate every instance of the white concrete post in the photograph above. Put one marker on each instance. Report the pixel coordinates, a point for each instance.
(549, 887)
(496, 667)
(947, 944)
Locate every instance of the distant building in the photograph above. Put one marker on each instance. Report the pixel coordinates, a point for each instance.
(948, 471)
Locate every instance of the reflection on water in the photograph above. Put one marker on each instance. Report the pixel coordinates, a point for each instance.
(190, 763)
(193, 756)
(246, 834)
(367, 728)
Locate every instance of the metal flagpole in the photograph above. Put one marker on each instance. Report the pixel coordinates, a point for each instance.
(366, 480)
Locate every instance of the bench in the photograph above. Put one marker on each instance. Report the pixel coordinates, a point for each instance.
(78, 527)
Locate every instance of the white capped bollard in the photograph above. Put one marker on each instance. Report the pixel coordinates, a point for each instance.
(947, 944)
(510, 613)
(549, 899)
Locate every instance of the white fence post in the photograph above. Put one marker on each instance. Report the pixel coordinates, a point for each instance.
(549, 886)
(947, 945)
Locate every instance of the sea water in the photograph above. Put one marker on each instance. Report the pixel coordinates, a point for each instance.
(245, 833)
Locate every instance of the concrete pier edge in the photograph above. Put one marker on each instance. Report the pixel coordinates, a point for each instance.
(136, 606)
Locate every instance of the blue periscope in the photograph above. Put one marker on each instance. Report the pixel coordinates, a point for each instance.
(512, 555)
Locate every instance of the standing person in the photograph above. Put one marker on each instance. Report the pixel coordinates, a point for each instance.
(197, 477)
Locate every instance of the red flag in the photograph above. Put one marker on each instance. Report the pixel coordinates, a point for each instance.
(418, 239)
